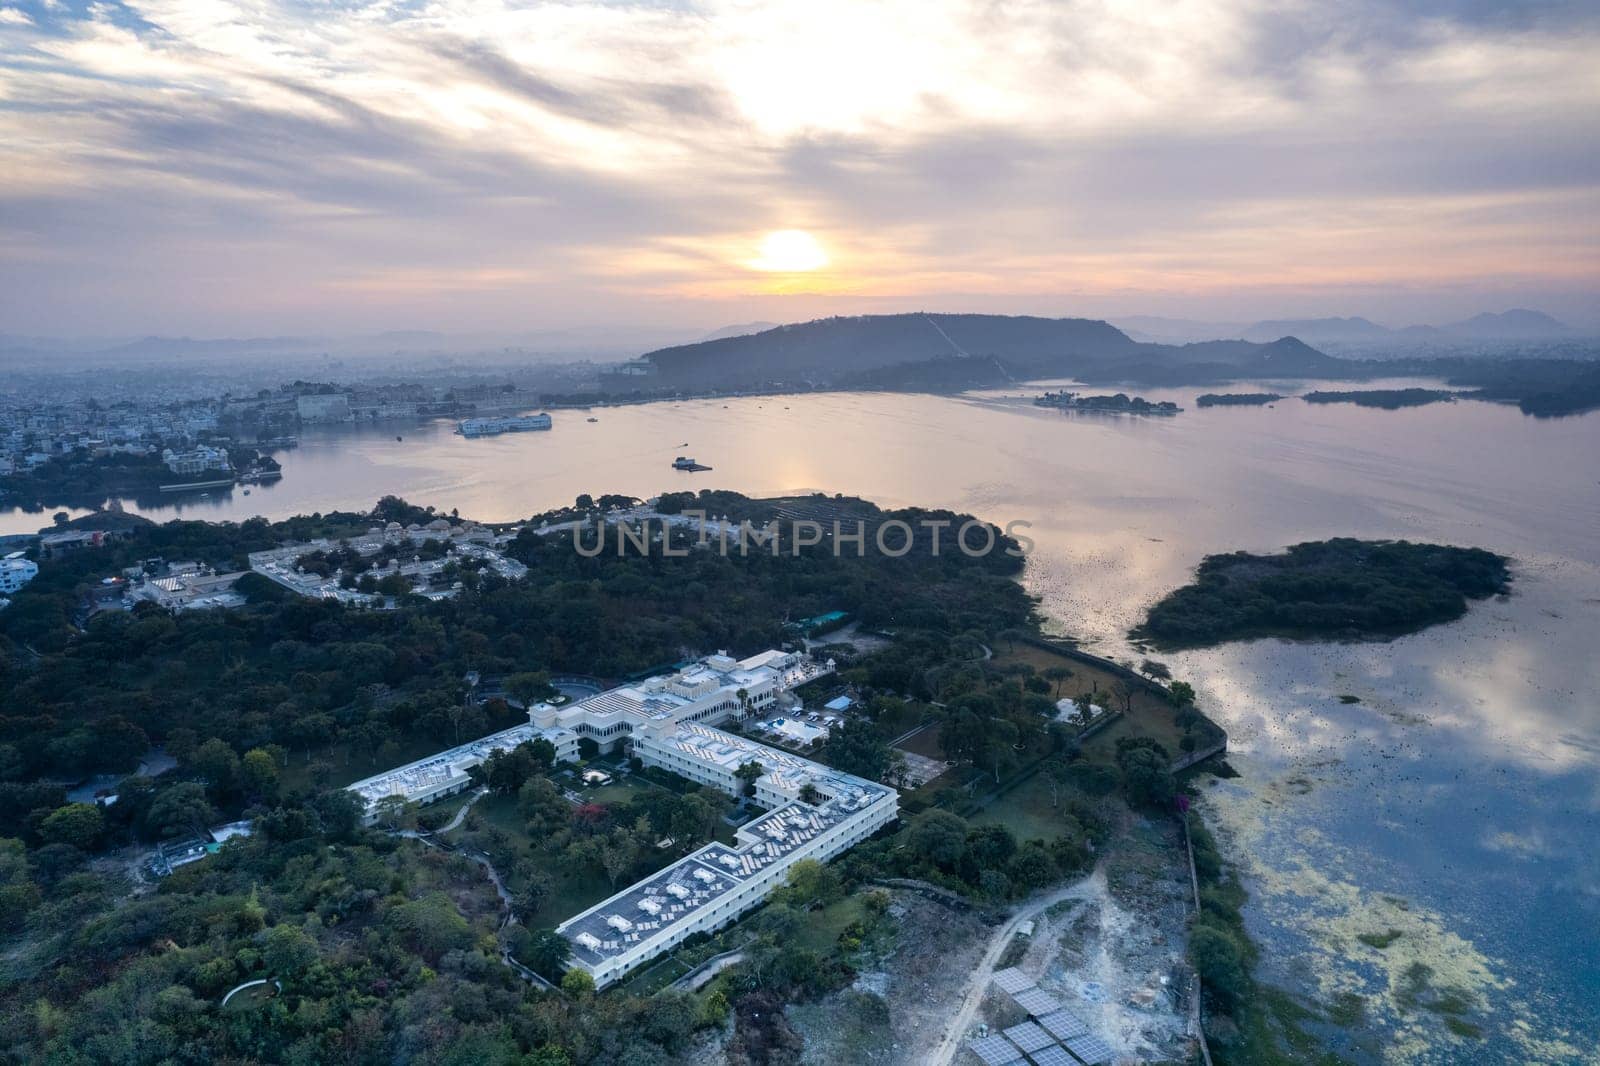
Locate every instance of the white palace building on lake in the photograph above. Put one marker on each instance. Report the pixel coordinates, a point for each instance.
(668, 721)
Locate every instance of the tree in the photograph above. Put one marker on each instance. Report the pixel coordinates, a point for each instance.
(809, 794)
(216, 762)
(1058, 674)
(899, 770)
(181, 809)
(938, 837)
(1057, 775)
(287, 951)
(617, 852)
(577, 983)
(258, 774)
(748, 773)
(855, 747)
(395, 812)
(432, 925)
(669, 1018)
(545, 952)
(77, 824)
(1221, 963)
(1152, 668)
(1121, 690)
(526, 901)
(1181, 693)
(1032, 867)
(531, 687)
(812, 882)
(1145, 780)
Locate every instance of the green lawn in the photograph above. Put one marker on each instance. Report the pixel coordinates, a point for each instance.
(1026, 811)
(821, 928)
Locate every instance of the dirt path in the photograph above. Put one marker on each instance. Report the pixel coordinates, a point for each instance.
(1092, 886)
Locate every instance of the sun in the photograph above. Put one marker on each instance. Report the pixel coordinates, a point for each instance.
(789, 251)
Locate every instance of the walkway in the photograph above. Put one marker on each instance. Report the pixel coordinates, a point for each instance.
(950, 1046)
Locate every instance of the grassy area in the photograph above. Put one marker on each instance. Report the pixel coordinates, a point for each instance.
(924, 742)
(656, 976)
(822, 927)
(1026, 810)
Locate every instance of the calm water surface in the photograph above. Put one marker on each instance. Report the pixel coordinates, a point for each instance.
(1457, 804)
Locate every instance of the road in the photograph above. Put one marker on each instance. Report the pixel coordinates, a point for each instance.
(950, 1046)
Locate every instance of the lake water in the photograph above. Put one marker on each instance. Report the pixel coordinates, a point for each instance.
(1458, 804)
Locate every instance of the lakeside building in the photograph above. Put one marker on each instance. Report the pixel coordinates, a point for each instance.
(323, 407)
(445, 773)
(667, 722)
(815, 811)
(196, 461)
(15, 572)
(712, 887)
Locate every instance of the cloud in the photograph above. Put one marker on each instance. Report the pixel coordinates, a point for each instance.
(1219, 150)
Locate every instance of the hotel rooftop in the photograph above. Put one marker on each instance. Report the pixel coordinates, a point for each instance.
(446, 772)
(702, 889)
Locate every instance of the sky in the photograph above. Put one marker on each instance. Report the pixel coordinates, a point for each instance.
(265, 167)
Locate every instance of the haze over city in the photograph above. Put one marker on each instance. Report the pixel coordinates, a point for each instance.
(225, 168)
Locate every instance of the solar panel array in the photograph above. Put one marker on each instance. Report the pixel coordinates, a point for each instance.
(1012, 980)
(1037, 1039)
(1054, 1055)
(996, 1051)
(1090, 1049)
(1029, 1037)
(1063, 1025)
(1037, 1002)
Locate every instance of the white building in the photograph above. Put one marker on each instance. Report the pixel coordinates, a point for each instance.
(197, 461)
(666, 722)
(715, 885)
(445, 774)
(15, 572)
(323, 407)
(713, 689)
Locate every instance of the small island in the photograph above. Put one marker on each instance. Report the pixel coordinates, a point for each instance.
(1237, 399)
(1388, 399)
(1340, 589)
(1121, 403)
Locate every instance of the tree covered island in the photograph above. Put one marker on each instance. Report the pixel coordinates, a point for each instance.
(1334, 589)
(1237, 399)
(1387, 399)
(1120, 403)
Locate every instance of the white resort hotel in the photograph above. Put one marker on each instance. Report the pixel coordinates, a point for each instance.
(668, 722)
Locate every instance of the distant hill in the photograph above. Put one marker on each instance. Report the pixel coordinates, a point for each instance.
(830, 348)
(743, 329)
(1516, 324)
(1315, 330)
(916, 350)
